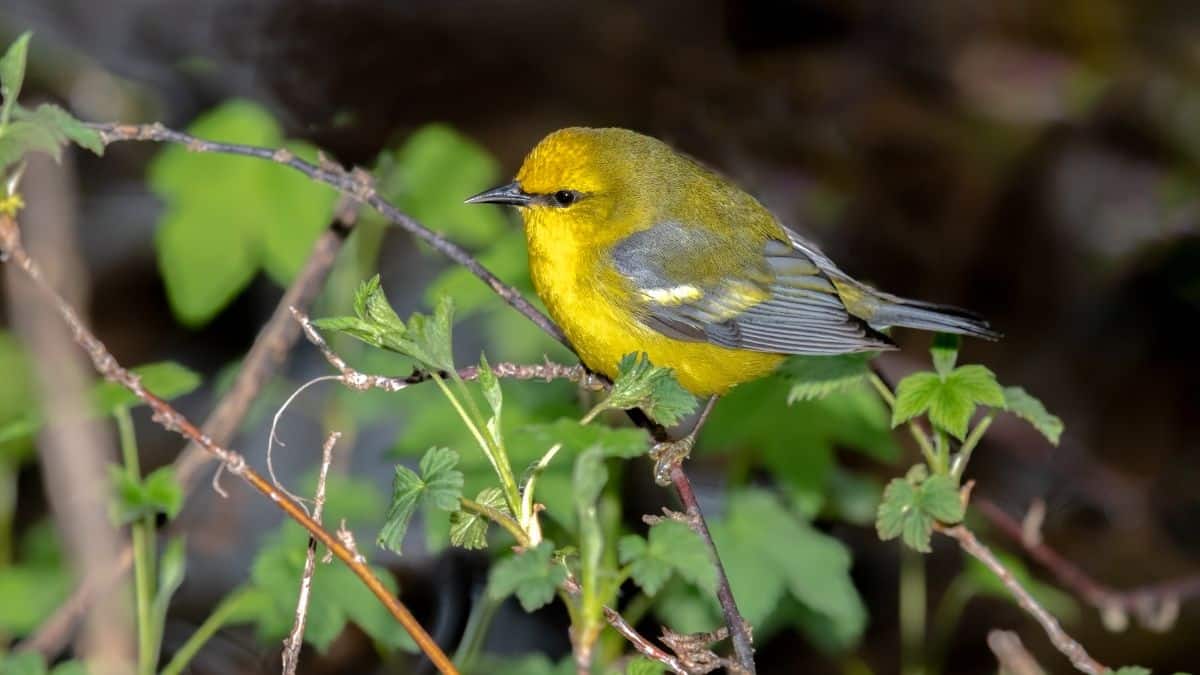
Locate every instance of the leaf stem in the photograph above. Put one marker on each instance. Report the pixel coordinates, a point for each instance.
(942, 465)
(959, 466)
(141, 534)
(501, 462)
(220, 615)
(912, 611)
(511, 494)
(496, 516)
(476, 631)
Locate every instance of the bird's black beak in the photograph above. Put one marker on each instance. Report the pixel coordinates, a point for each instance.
(505, 194)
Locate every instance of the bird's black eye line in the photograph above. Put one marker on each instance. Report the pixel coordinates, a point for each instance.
(565, 197)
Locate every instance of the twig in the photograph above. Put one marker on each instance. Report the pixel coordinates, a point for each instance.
(264, 358)
(357, 380)
(640, 643)
(1064, 643)
(739, 630)
(1012, 656)
(172, 420)
(1155, 605)
(357, 184)
(291, 646)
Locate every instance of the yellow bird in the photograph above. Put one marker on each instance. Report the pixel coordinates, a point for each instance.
(636, 248)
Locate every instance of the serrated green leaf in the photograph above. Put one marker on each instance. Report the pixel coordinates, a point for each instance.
(532, 575)
(949, 400)
(640, 384)
(469, 530)
(12, 74)
(62, 126)
(815, 377)
(945, 352)
(438, 485)
(158, 492)
(21, 137)
(625, 443)
(427, 339)
(899, 500)
(1024, 405)
(166, 379)
(941, 500)
(227, 217)
(670, 547)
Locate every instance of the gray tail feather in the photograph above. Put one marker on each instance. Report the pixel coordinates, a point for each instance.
(896, 311)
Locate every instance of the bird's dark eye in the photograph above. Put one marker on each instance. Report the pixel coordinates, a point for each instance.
(565, 197)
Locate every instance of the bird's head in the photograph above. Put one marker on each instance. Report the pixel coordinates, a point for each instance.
(578, 177)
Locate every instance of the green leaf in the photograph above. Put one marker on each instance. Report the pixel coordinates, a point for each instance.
(625, 443)
(1024, 405)
(172, 567)
(589, 477)
(945, 352)
(22, 663)
(62, 126)
(19, 412)
(768, 552)
(640, 384)
(36, 584)
(158, 492)
(165, 379)
(430, 176)
(644, 666)
(815, 377)
(909, 510)
(438, 485)
(532, 575)
(12, 74)
(670, 547)
(950, 400)
(337, 596)
(227, 217)
(425, 339)
(469, 530)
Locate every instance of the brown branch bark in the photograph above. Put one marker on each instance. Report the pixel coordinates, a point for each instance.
(1064, 643)
(171, 419)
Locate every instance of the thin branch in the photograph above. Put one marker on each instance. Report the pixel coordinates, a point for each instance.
(640, 643)
(1064, 643)
(264, 358)
(356, 184)
(1155, 605)
(169, 418)
(354, 379)
(739, 629)
(291, 646)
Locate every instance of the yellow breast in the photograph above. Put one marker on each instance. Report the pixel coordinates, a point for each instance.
(584, 296)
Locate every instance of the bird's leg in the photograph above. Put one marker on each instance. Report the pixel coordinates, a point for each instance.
(672, 453)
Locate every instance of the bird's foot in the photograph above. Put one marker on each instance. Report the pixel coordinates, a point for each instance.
(669, 455)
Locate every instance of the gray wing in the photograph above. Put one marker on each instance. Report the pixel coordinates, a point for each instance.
(693, 286)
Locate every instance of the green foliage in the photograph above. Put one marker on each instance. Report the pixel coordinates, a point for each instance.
(166, 380)
(815, 377)
(644, 666)
(423, 338)
(438, 486)
(949, 399)
(469, 530)
(1022, 404)
(35, 585)
(227, 217)
(535, 664)
(533, 575)
(797, 443)
(670, 547)
(655, 390)
(911, 505)
(337, 596)
(783, 572)
(429, 176)
(984, 582)
(575, 438)
(45, 129)
(17, 403)
(158, 492)
(1131, 670)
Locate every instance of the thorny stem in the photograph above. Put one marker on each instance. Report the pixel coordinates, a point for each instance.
(171, 419)
(1064, 643)
(141, 534)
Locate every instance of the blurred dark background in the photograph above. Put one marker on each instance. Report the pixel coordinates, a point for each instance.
(1036, 162)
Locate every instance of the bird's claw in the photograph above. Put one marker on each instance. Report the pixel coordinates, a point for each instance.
(669, 455)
